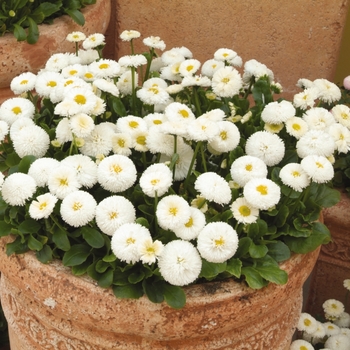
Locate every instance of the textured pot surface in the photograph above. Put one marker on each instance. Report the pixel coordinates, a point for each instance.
(48, 308)
(19, 57)
(333, 265)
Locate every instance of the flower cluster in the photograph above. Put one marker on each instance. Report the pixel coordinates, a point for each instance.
(154, 172)
(332, 333)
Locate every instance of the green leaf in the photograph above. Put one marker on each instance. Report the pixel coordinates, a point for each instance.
(130, 291)
(279, 251)
(76, 16)
(281, 216)
(117, 106)
(109, 258)
(324, 196)
(152, 290)
(234, 267)
(93, 237)
(61, 240)
(211, 270)
(136, 276)
(76, 255)
(17, 246)
(44, 255)
(45, 9)
(19, 33)
(253, 278)
(5, 228)
(29, 226)
(105, 280)
(25, 163)
(273, 274)
(81, 269)
(33, 31)
(243, 246)
(34, 244)
(102, 266)
(174, 296)
(257, 251)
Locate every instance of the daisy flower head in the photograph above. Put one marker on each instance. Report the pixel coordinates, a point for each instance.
(131, 124)
(177, 111)
(16, 108)
(82, 100)
(301, 344)
(113, 212)
(154, 42)
(338, 342)
(172, 212)
(333, 307)
(305, 99)
(135, 61)
(105, 68)
(294, 176)
(121, 144)
(331, 328)
(265, 146)
(296, 127)
(327, 91)
(126, 242)
(75, 70)
(189, 67)
(278, 112)
(42, 206)
(57, 61)
(64, 131)
(41, 169)
(106, 86)
(4, 130)
(318, 118)
(23, 83)
(150, 250)
(94, 40)
(202, 129)
(213, 187)
(196, 80)
(217, 242)
(246, 168)
(46, 82)
(227, 139)
(262, 193)
(346, 284)
(318, 168)
(209, 67)
(307, 323)
(160, 142)
(274, 128)
(226, 82)
(193, 226)
(156, 180)
(153, 95)
(87, 56)
(154, 119)
(180, 263)
(243, 211)
(224, 54)
(17, 188)
(343, 321)
(116, 173)
(75, 37)
(81, 124)
(341, 114)
(172, 56)
(253, 68)
(341, 136)
(128, 35)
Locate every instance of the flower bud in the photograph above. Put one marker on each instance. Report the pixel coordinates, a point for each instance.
(346, 82)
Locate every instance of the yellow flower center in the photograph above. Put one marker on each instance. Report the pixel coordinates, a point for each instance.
(73, 72)
(133, 124)
(68, 82)
(189, 68)
(296, 173)
(296, 126)
(117, 168)
(319, 165)
(103, 66)
(130, 240)
(113, 215)
(223, 135)
(141, 140)
(225, 80)
(173, 211)
(121, 142)
(42, 206)
(77, 206)
(189, 223)
(157, 122)
(80, 99)
(154, 182)
(225, 54)
(262, 189)
(303, 347)
(154, 90)
(17, 110)
(307, 322)
(244, 210)
(184, 113)
(249, 167)
(51, 83)
(24, 82)
(344, 116)
(88, 75)
(64, 182)
(219, 242)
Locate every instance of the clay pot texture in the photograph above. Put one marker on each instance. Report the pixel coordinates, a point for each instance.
(333, 265)
(49, 308)
(295, 39)
(18, 57)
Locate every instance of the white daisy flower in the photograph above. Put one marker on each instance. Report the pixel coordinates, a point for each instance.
(301, 344)
(318, 118)
(94, 40)
(16, 108)
(346, 284)
(154, 42)
(41, 169)
(75, 37)
(23, 83)
(4, 130)
(17, 188)
(116, 173)
(56, 62)
(81, 124)
(126, 242)
(217, 242)
(154, 119)
(226, 82)
(62, 181)
(128, 35)
(132, 61)
(294, 176)
(86, 57)
(20, 124)
(172, 56)
(121, 144)
(172, 212)
(338, 342)
(341, 136)
(305, 99)
(150, 251)
(47, 82)
(318, 168)
(100, 107)
(307, 323)
(196, 80)
(31, 140)
(139, 141)
(331, 328)
(178, 112)
(202, 129)
(224, 54)
(189, 67)
(113, 212)
(278, 112)
(304, 83)
(246, 168)
(296, 127)
(343, 321)
(333, 307)
(180, 263)
(124, 83)
(171, 72)
(209, 67)
(320, 332)
(74, 70)
(266, 146)
(160, 142)
(42, 206)
(227, 139)
(243, 211)
(190, 230)
(156, 180)
(273, 128)
(106, 86)
(105, 68)
(131, 124)
(262, 193)
(82, 100)
(327, 91)
(213, 187)
(64, 131)
(153, 95)
(341, 114)
(215, 115)
(253, 68)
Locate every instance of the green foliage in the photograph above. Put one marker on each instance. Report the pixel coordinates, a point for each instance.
(22, 17)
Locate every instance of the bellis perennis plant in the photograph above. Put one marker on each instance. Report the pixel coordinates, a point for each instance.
(156, 172)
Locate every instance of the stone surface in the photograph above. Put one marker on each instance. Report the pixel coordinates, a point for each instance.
(18, 57)
(296, 39)
(48, 308)
(333, 265)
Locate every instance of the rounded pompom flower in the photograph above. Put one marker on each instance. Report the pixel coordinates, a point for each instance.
(190, 230)
(42, 206)
(226, 82)
(244, 212)
(333, 307)
(301, 344)
(294, 176)
(307, 323)
(318, 168)
(180, 263)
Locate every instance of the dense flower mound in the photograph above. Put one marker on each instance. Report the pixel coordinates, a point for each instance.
(154, 171)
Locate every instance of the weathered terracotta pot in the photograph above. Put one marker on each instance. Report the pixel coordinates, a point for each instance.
(19, 57)
(333, 265)
(49, 308)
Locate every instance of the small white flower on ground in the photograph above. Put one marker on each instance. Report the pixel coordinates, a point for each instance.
(192, 227)
(266, 146)
(17, 188)
(150, 251)
(301, 344)
(333, 307)
(172, 212)
(244, 212)
(116, 173)
(307, 323)
(126, 242)
(113, 212)
(226, 82)
(180, 263)
(318, 168)
(217, 242)
(294, 176)
(213, 187)
(262, 193)
(42, 206)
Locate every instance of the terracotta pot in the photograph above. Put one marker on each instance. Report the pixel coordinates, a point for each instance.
(19, 57)
(333, 265)
(49, 308)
